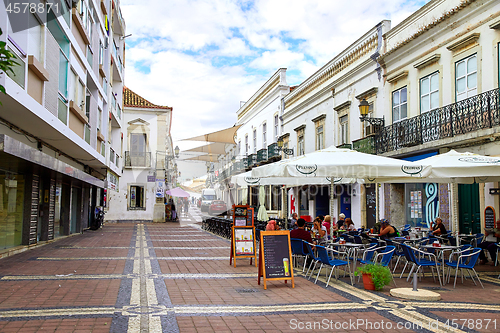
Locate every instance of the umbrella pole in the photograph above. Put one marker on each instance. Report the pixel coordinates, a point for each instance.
(331, 206)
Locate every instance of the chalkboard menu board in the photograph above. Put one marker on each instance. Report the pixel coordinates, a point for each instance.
(250, 217)
(275, 256)
(242, 234)
(489, 218)
(242, 216)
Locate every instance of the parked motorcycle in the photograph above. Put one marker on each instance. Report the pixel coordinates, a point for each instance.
(98, 219)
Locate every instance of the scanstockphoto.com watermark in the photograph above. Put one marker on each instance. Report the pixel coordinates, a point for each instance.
(366, 324)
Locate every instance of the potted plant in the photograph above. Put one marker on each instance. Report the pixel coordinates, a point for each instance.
(375, 276)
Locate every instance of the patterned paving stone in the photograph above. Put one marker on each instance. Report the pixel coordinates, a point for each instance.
(173, 277)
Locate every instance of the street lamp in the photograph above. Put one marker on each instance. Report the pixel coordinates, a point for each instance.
(286, 151)
(176, 151)
(364, 107)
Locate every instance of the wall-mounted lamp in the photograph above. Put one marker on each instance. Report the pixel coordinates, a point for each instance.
(176, 151)
(364, 107)
(286, 151)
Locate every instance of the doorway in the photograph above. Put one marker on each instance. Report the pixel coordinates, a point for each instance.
(469, 214)
(74, 210)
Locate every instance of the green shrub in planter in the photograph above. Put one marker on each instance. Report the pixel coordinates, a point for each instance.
(381, 275)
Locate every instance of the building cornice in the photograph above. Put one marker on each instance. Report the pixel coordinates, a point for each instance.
(277, 79)
(363, 47)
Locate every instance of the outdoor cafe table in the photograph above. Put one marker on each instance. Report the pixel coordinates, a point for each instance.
(441, 248)
(352, 249)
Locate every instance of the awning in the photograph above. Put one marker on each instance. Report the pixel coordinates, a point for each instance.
(24, 152)
(224, 136)
(206, 158)
(213, 148)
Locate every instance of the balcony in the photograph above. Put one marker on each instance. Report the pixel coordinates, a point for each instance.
(365, 145)
(261, 156)
(469, 115)
(252, 160)
(345, 146)
(244, 163)
(273, 151)
(137, 159)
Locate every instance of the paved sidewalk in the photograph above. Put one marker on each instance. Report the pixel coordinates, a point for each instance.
(171, 278)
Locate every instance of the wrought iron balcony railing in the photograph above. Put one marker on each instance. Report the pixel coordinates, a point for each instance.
(252, 160)
(365, 145)
(137, 159)
(273, 151)
(262, 155)
(469, 115)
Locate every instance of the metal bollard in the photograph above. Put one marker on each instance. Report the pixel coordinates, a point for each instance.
(415, 282)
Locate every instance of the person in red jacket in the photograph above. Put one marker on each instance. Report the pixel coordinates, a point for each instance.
(301, 232)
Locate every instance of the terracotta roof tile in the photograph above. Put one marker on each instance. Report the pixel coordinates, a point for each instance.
(131, 99)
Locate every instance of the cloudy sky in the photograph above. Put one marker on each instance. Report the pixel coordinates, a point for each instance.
(202, 57)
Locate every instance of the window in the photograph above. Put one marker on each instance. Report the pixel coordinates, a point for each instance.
(255, 141)
(300, 143)
(63, 74)
(246, 144)
(275, 197)
(35, 38)
(19, 72)
(319, 137)
(137, 197)
(103, 149)
(138, 144)
(111, 155)
(101, 53)
(87, 104)
(369, 129)
(344, 129)
(99, 119)
(399, 105)
(64, 47)
(62, 110)
(429, 93)
(264, 133)
(466, 77)
(276, 122)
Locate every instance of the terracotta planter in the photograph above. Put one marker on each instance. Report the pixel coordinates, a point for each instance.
(368, 282)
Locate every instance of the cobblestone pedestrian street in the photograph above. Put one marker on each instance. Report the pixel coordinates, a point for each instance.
(174, 277)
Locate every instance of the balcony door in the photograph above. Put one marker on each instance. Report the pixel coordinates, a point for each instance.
(138, 149)
(466, 77)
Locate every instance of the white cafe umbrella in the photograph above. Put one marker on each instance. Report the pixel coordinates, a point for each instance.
(244, 199)
(455, 167)
(262, 214)
(246, 179)
(343, 163)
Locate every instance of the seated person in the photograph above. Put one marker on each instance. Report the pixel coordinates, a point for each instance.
(293, 221)
(340, 222)
(327, 223)
(301, 233)
(271, 225)
(387, 230)
(438, 229)
(349, 225)
(319, 230)
(489, 245)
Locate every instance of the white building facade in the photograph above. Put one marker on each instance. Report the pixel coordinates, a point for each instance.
(61, 114)
(148, 153)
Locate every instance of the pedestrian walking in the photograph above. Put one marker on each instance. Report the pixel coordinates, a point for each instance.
(186, 206)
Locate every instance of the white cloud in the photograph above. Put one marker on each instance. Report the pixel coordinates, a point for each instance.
(205, 56)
